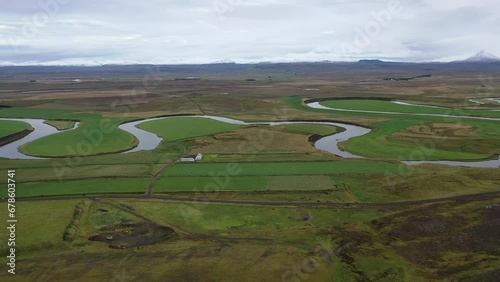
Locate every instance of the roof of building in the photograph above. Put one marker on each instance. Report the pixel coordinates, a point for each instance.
(189, 157)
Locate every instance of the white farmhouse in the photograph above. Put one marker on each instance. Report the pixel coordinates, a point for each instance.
(192, 158)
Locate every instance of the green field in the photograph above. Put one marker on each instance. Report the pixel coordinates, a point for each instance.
(382, 144)
(319, 129)
(284, 168)
(386, 106)
(80, 187)
(92, 137)
(246, 183)
(38, 174)
(171, 129)
(378, 144)
(47, 225)
(96, 135)
(248, 220)
(260, 241)
(241, 183)
(61, 124)
(8, 127)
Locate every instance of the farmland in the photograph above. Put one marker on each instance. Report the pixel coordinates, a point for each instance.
(285, 168)
(83, 187)
(263, 201)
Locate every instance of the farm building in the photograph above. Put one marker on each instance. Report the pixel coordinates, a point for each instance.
(192, 158)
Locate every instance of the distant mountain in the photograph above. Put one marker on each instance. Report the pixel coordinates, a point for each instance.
(482, 57)
(371, 61)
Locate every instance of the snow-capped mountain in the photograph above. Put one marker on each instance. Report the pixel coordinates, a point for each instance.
(483, 56)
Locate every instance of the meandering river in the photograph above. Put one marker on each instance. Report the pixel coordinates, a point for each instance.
(41, 129)
(485, 164)
(150, 141)
(317, 105)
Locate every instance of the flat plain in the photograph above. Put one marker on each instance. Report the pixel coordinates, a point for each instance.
(263, 202)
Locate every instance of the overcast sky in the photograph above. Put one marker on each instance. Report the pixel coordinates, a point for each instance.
(201, 31)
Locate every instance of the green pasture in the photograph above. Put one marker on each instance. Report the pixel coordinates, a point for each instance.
(61, 124)
(381, 144)
(297, 103)
(178, 128)
(281, 168)
(387, 106)
(95, 135)
(378, 144)
(319, 129)
(45, 219)
(248, 220)
(92, 137)
(237, 183)
(8, 127)
(85, 186)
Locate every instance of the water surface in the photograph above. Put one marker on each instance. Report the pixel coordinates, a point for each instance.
(41, 129)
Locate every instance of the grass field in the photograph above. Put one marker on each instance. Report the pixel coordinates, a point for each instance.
(178, 128)
(425, 182)
(246, 183)
(285, 168)
(264, 242)
(92, 137)
(61, 124)
(39, 174)
(260, 140)
(244, 221)
(380, 144)
(307, 129)
(47, 225)
(301, 183)
(386, 106)
(241, 183)
(8, 127)
(419, 183)
(81, 187)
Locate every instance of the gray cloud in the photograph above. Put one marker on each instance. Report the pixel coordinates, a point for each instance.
(200, 31)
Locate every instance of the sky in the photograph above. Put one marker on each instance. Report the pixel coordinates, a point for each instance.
(93, 32)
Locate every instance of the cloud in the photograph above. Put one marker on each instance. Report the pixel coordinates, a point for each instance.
(201, 31)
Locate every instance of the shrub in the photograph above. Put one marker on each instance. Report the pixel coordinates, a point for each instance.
(72, 229)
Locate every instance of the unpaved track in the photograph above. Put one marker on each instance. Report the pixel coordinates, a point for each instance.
(151, 186)
(472, 197)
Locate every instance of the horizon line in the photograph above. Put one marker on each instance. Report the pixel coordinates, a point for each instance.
(97, 64)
